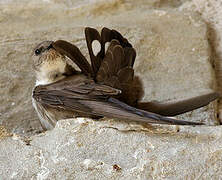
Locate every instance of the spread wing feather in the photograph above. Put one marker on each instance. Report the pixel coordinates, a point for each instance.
(119, 55)
(92, 35)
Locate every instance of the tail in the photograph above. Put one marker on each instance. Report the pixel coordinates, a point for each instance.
(180, 107)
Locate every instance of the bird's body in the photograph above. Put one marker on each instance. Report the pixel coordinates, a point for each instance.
(107, 87)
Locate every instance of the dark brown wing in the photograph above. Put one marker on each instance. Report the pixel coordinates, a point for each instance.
(92, 35)
(79, 86)
(180, 107)
(116, 70)
(68, 93)
(115, 66)
(86, 98)
(107, 35)
(71, 51)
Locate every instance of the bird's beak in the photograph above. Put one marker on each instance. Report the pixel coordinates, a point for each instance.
(50, 46)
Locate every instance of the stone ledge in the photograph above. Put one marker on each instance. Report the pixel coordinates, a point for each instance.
(86, 149)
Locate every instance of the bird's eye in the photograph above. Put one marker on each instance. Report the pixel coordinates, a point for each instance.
(37, 52)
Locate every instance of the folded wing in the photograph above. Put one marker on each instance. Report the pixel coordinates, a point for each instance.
(86, 98)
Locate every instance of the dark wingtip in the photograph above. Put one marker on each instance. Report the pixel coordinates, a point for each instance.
(73, 52)
(87, 29)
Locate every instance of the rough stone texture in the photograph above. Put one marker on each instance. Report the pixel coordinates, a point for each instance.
(86, 149)
(210, 10)
(173, 60)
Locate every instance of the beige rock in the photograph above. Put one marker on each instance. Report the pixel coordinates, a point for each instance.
(86, 149)
(3, 132)
(210, 10)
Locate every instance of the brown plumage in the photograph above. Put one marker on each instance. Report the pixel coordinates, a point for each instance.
(107, 87)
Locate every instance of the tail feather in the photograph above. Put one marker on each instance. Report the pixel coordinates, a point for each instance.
(180, 107)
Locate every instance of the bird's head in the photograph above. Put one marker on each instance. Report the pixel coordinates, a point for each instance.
(49, 65)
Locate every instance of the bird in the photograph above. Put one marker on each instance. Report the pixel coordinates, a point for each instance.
(106, 87)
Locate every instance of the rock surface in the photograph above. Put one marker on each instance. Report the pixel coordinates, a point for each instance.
(86, 149)
(173, 60)
(210, 11)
